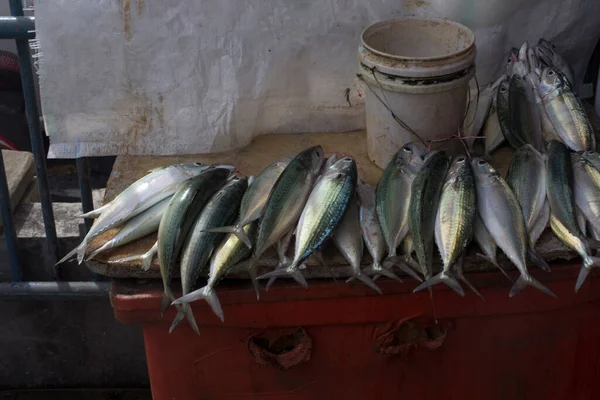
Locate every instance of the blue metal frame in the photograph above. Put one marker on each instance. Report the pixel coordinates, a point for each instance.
(22, 29)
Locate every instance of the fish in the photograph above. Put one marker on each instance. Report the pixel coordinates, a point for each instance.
(454, 221)
(369, 225)
(504, 119)
(177, 220)
(563, 221)
(565, 111)
(586, 189)
(144, 259)
(540, 224)
(487, 245)
(526, 177)
(283, 260)
(424, 200)
(139, 196)
(511, 57)
(546, 52)
(492, 130)
(392, 201)
(95, 213)
(255, 199)
(231, 252)
(286, 202)
(325, 208)
(593, 157)
(478, 108)
(524, 117)
(501, 214)
(220, 210)
(139, 226)
(347, 238)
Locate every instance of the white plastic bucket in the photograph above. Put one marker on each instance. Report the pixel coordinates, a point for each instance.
(420, 68)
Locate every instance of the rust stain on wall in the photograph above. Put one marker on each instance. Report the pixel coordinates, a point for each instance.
(125, 9)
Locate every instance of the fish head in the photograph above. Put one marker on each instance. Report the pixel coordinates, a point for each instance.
(503, 89)
(552, 79)
(523, 51)
(519, 68)
(312, 158)
(459, 166)
(528, 152)
(344, 165)
(511, 57)
(482, 168)
(411, 154)
(193, 169)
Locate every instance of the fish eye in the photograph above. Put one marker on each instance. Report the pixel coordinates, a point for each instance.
(503, 89)
(407, 149)
(481, 162)
(509, 60)
(550, 73)
(460, 159)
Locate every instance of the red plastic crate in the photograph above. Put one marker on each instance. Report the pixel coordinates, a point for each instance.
(346, 342)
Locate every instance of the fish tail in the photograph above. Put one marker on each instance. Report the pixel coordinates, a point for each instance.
(167, 298)
(588, 263)
(290, 271)
(494, 263)
(81, 251)
(185, 312)
(99, 250)
(252, 274)
(207, 293)
(528, 280)
(94, 213)
(366, 280)
(69, 255)
(442, 277)
(472, 287)
(538, 260)
(237, 231)
(398, 261)
(146, 258)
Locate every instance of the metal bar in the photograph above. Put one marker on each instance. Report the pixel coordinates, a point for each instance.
(87, 202)
(54, 288)
(17, 28)
(9, 226)
(37, 144)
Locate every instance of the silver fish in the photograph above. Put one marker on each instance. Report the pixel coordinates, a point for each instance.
(326, 205)
(479, 105)
(487, 245)
(393, 196)
(586, 187)
(504, 118)
(523, 112)
(369, 224)
(286, 202)
(563, 222)
(502, 216)
(255, 199)
(136, 228)
(144, 259)
(546, 52)
(221, 209)
(540, 224)
(454, 221)
(283, 260)
(526, 177)
(139, 196)
(177, 220)
(347, 237)
(230, 252)
(565, 111)
(492, 130)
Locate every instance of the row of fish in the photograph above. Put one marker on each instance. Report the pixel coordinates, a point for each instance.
(532, 102)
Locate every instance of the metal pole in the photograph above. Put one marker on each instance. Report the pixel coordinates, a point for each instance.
(87, 202)
(9, 226)
(76, 289)
(37, 145)
(17, 27)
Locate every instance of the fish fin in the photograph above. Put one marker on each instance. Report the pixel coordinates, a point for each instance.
(237, 231)
(522, 282)
(98, 251)
(388, 274)
(472, 287)
(538, 260)
(367, 281)
(207, 293)
(81, 251)
(587, 266)
(94, 213)
(494, 263)
(250, 180)
(253, 278)
(166, 300)
(296, 274)
(69, 255)
(445, 278)
(398, 261)
(185, 312)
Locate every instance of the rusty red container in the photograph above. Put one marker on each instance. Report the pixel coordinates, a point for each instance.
(340, 341)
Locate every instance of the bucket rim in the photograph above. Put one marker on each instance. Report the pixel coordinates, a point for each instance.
(447, 21)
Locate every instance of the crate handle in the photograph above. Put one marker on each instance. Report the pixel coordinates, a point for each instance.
(280, 348)
(407, 334)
